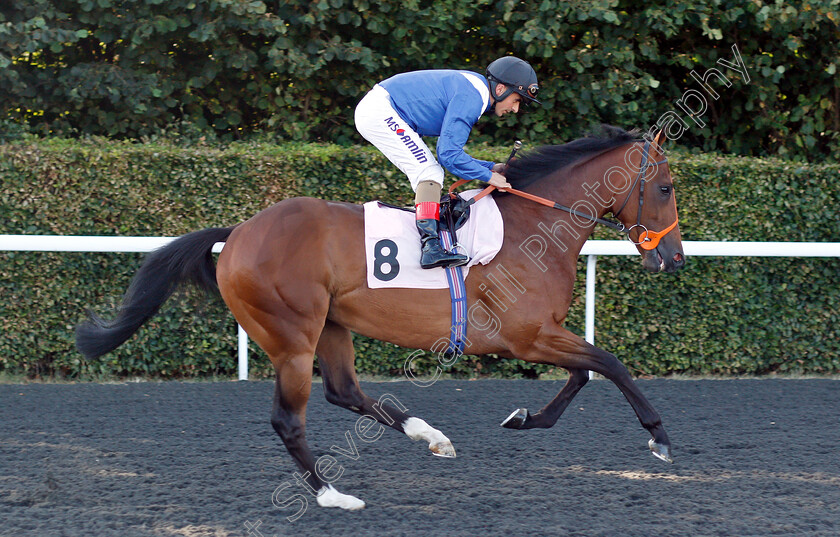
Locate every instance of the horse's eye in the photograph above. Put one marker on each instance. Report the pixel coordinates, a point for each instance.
(665, 190)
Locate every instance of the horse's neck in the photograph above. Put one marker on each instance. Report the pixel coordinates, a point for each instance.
(584, 185)
(556, 229)
(582, 188)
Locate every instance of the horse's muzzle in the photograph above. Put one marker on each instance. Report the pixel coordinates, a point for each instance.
(662, 259)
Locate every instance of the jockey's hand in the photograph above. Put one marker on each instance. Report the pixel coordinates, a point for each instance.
(499, 167)
(498, 180)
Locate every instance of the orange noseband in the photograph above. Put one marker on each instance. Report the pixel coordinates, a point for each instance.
(649, 240)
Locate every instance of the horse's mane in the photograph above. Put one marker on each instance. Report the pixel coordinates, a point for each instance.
(542, 161)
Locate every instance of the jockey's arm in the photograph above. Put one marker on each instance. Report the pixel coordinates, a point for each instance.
(455, 130)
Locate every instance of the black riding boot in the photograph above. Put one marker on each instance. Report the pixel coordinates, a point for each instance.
(433, 255)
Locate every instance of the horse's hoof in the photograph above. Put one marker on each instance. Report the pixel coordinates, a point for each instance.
(417, 429)
(329, 497)
(516, 420)
(443, 449)
(660, 451)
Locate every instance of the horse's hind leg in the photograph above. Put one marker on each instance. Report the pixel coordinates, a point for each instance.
(548, 416)
(341, 387)
(288, 334)
(288, 417)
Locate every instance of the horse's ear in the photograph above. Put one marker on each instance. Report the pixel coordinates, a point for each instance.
(658, 141)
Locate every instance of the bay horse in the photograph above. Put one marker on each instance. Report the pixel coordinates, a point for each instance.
(294, 277)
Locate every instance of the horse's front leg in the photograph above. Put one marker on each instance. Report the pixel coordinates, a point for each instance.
(557, 346)
(548, 416)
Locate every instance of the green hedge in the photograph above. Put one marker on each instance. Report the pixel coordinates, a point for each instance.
(297, 68)
(719, 315)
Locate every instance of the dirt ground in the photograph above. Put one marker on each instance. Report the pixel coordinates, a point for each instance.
(753, 458)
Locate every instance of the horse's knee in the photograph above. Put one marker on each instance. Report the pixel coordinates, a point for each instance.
(578, 377)
(611, 367)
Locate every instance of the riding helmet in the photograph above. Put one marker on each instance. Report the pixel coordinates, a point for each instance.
(517, 75)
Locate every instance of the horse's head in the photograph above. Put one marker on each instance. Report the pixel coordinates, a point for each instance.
(640, 192)
(647, 206)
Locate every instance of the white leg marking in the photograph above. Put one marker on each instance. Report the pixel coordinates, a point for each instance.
(417, 429)
(329, 497)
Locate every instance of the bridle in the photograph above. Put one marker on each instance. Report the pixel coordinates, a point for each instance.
(648, 240)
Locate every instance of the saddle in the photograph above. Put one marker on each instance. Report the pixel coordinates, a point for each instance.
(454, 211)
(391, 241)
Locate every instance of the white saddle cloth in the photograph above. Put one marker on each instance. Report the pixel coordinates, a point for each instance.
(392, 244)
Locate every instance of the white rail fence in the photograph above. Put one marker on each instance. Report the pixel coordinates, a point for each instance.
(592, 249)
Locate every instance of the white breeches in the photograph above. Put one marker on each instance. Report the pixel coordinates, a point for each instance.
(380, 125)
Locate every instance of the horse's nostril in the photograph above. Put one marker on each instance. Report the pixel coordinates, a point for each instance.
(678, 259)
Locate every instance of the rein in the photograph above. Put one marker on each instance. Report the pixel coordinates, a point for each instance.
(648, 240)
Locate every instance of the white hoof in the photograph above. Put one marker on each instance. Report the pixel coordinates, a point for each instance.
(417, 429)
(329, 497)
(443, 449)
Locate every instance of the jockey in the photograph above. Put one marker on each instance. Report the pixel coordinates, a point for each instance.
(445, 103)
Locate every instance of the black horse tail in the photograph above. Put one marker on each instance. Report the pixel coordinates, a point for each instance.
(187, 259)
